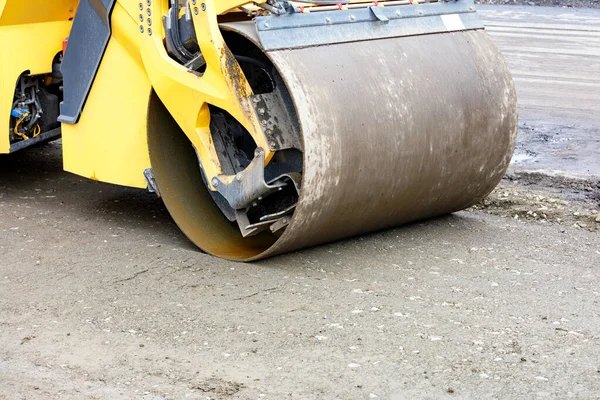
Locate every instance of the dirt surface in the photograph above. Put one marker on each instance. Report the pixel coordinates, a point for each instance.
(101, 297)
(547, 197)
(546, 3)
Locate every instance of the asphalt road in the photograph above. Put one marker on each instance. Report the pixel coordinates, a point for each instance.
(554, 55)
(101, 297)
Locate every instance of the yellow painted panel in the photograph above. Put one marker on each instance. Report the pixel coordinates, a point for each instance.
(109, 142)
(19, 12)
(32, 48)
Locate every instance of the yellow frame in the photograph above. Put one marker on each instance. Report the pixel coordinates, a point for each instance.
(31, 34)
(187, 95)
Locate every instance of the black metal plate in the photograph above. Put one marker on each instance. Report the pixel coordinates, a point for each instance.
(87, 42)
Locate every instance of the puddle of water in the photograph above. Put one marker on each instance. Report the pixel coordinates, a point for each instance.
(519, 158)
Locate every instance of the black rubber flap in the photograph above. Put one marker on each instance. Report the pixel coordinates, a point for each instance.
(87, 42)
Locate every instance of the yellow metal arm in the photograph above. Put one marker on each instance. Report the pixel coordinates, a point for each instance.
(187, 94)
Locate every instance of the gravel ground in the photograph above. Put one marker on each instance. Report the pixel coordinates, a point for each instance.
(101, 297)
(546, 197)
(546, 3)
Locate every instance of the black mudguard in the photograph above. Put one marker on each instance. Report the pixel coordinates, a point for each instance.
(87, 43)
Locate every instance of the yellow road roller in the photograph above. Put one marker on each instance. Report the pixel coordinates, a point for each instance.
(265, 126)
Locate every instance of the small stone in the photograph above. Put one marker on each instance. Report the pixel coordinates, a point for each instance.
(373, 396)
(353, 365)
(597, 219)
(541, 378)
(494, 284)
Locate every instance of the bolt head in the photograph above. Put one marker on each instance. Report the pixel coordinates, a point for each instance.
(141, 18)
(196, 10)
(149, 21)
(149, 2)
(194, 2)
(203, 7)
(215, 182)
(141, 29)
(261, 111)
(149, 12)
(149, 31)
(141, 6)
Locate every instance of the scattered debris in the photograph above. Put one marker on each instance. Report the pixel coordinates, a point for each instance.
(546, 197)
(219, 387)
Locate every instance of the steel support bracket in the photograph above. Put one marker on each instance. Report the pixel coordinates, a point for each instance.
(379, 14)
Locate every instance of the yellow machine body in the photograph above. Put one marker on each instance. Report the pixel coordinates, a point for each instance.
(31, 35)
(109, 143)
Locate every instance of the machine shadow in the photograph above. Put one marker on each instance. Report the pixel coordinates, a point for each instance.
(35, 175)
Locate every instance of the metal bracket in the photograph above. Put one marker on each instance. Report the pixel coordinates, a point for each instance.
(248, 185)
(196, 63)
(42, 137)
(275, 221)
(379, 14)
(300, 30)
(152, 187)
(277, 118)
